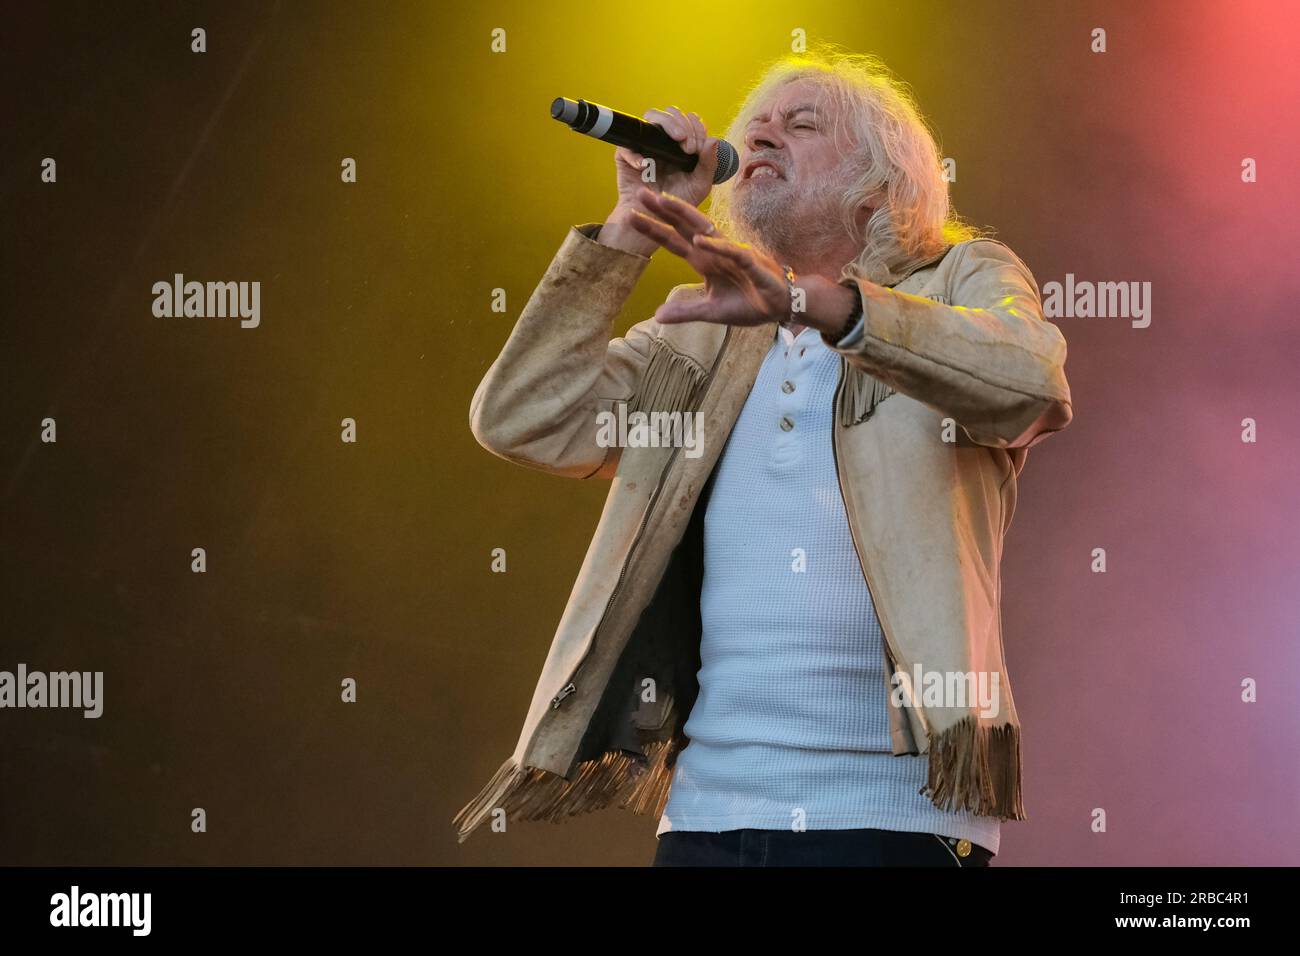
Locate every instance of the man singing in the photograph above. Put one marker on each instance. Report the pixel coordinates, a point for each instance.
(787, 647)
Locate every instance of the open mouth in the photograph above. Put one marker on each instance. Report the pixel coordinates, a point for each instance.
(761, 169)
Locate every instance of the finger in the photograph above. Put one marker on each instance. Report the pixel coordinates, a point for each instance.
(674, 127)
(704, 308)
(661, 233)
(701, 134)
(630, 157)
(721, 266)
(680, 213)
(707, 145)
(742, 258)
(735, 252)
(689, 144)
(684, 309)
(718, 251)
(673, 211)
(671, 238)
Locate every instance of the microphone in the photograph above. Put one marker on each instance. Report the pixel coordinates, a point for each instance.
(623, 129)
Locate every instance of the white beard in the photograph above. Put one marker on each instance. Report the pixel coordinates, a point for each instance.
(791, 221)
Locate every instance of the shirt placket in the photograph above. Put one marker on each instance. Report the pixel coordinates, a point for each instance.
(796, 359)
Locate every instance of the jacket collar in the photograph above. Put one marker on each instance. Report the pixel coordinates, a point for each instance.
(917, 266)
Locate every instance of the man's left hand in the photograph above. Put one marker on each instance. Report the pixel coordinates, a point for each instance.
(743, 285)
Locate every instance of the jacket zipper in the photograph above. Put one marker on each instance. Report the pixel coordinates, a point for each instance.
(848, 506)
(571, 686)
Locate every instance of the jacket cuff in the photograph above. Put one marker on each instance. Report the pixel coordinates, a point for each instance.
(855, 334)
(879, 313)
(590, 231)
(596, 279)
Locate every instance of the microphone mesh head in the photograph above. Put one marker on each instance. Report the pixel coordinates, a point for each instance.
(728, 162)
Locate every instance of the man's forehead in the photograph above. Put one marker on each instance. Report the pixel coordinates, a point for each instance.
(793, 98)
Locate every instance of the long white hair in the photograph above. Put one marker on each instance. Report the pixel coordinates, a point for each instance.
(892, 151)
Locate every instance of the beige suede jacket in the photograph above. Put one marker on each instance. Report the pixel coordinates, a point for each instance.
(956, 375)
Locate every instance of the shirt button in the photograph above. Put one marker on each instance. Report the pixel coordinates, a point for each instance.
(786, 424)
(801, 351)
(787, 386)
(963, 848)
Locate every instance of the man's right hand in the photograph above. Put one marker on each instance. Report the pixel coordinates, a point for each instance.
(693, 187)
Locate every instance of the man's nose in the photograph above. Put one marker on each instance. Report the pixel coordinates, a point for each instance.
(762, 137)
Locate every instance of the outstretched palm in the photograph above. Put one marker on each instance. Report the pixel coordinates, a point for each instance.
(742, 285)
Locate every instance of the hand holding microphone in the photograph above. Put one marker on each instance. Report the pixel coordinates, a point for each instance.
(687, 161)
(662, 136)
(693, 185)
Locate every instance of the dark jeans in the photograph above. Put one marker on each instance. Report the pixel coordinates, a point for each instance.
(813, 848)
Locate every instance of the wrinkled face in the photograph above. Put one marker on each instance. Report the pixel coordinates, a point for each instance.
(792, 172)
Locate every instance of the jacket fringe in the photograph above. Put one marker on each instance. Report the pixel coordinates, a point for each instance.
(862, 393)
(977, 768)
(530, 793)
(671, 383)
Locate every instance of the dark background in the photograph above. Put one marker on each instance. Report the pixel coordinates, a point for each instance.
(328, 560)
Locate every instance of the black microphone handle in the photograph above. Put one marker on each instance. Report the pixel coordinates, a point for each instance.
(648, 139)
(640, 136)
(623, 129)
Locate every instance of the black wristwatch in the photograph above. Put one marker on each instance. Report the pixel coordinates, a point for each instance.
(854, 315)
